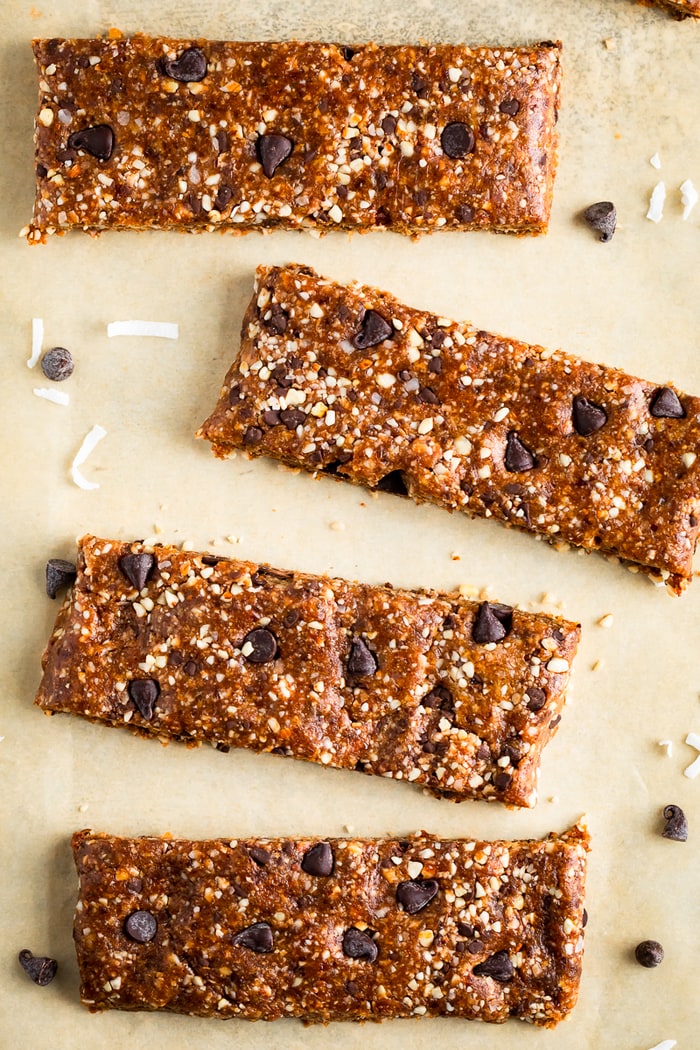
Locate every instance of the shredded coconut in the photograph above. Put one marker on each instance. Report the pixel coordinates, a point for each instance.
(37, 340)
(693, 770)
(57, 396)
(668, 744)
(89, 442)
(656, 204)
(160, 329)
(689, 198)
(655, 161)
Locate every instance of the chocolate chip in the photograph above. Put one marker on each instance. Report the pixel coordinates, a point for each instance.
(271, 417)
(318, 860)
(389, 124)
(501, 781)
(41, 171)
(457, 140)
(666, 405)
(190, 668)
(144, 692)
(98, 141)
(474, 947)
(59, 574)
(511, 106)
(602, 218)
(223, 140)
(223, 197)
(466, 930)
(258, 938)
(57, 364)
(292, 418)
(39, 968)
(277, 321)
(252, 436)
(140, 926)
(362, 662)
(439, 697)
(492, 623)
(260, 856)
(416, 894)
(435, 365)
(498, 966)
(137, 568)
(351, 987)
(291, 619)
(419, 85)
(676, 826)
(264, 646)
(649, 954)
(584, 919)
(348, 53)
(464, 213)
(375, 329)
(189, 65)
(518, 456)
(359, 945)
(272, 151)
(587, 417)
(428, 396)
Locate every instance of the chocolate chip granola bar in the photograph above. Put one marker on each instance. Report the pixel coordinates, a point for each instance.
(346, 380)
(149, 132)
(459, 697)
(327, 930)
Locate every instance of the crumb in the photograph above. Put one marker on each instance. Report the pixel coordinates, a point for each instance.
(232, 539)
(606, 620)
(82, 807)
(596, 665)
(455, 556)
(610, 43)
(668, 744)
(157, 528)
(187, 545)
(337, 526)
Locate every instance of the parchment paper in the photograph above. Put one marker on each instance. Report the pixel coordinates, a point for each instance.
(633, 303)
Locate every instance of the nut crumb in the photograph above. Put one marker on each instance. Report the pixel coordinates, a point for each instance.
(610, 43)
(337, 526)
(606, 620)
(596, 665)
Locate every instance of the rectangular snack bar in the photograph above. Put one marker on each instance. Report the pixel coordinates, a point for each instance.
(347, 380)
(331, 930)
(149, 132)
(457, 696)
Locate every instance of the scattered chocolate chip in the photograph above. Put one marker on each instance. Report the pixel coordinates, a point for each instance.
(98, 141)
(252, 436)
(428, 396)
(271, 417)
(492, 623)
(464, 213)
(602, 218)
(359, 945)
(57, 364)
(375, 329)
(362, 662)
(137, 568)
(511, 106)
(389, 124)
(318, 860)
(189, 65)
(264, 646)
(466, 930)
(587, 417)
(419, 85)
(41, 171)
(439, 697)
(223, 197)
(393, 482)
(59, 574)
(259, 855)
(676, 826)
(292, 418)
(457, 140)
(211, 560)
(437, 338)
(498, 966)
(518, 456)
(190, 668)
(223, 140)
(474, 947)
(351, 987)
(502, 780)
(141, 926)
(144, 692)
(435, 365)
(416, 894)
(258, 938)
(272, 151)
(666, 405)
(649, 954)
(277, 321)
(39, 968)
(584, 919)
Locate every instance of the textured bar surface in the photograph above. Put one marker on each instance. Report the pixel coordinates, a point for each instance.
(342, 929)
(398, 683)
(293, 134)
(348, 380)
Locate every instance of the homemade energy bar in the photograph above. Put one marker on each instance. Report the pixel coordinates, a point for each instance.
(331, 930)
(346, 380)
(457, 696)
(147, 133)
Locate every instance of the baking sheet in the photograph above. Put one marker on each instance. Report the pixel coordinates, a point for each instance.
(633, 303)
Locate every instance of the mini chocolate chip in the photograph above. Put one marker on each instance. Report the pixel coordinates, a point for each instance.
(676, 827)
(466, 930)
(435, 365)
(292, 418)
(359, 945)
(98, 141)
(144, 692)
(252, 436)
(602, 217)
(271, 417)
(419, 85)
(492, 623)
(464, 213)
(351, 987)
(429, 747)
(190, 64)
(259, 855)
(277, 322)
(474, 947)
(223, 197)
(437, 338)
(587, 417)
(41, 171)
(511, 106)
(498, 966)
(666, 405)
(584, 919)
(536, 698)
(223, 140)
(518, 456)
(141, 926)
(483, 751)
(362, 662)
(457, 140)
(389, 124)
(264, 646)
(649, 954)
(318, 860)
(428, 396)
(272, 151)
(57, 364)
(375, 329)
(258, 938)
(137, 568)
(59, 574)
(416, 894)
(190, 668)
(291, 618)
(39, 968)
(439, 697)
(501, 781)
(211, 560)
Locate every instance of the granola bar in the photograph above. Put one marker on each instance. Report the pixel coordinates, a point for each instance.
(347, 380)
(459, 697)
(329, 930)
(149, 132)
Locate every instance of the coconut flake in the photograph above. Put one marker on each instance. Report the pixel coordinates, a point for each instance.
(89, 442)
(656, 204)
(160, 329)
(668, 744)
(57, 396)
(689, 198)
(655, 161)
(693, 770)
(37, 340)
